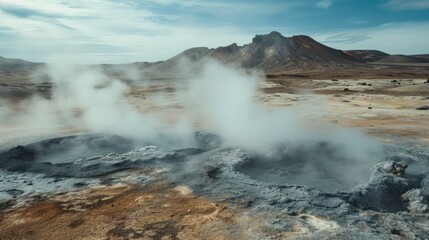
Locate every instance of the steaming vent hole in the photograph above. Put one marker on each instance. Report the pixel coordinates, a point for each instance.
(320, 165)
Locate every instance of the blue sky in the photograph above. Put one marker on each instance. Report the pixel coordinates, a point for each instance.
(101, 31)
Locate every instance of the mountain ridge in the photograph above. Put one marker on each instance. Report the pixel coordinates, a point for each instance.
(270, 52)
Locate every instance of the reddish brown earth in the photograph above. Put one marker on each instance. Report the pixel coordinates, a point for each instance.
(123, 212)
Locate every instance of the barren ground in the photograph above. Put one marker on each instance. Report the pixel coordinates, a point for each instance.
(384, 108)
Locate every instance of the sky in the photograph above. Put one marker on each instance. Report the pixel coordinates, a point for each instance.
(123, 31)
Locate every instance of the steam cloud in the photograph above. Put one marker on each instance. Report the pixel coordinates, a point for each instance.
(222, 97)
(103, 107)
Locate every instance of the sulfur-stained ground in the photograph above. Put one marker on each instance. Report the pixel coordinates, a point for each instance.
(124, 212)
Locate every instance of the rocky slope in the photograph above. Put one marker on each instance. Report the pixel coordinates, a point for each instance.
(366, 55)
(276, 52)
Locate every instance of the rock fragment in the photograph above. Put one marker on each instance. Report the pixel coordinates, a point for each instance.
(396, 168)
(416, 201)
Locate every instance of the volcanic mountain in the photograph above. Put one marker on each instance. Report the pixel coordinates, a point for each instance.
(276, 52)
(271, 52)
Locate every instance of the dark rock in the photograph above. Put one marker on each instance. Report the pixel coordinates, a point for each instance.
(58, 157)
(19, 158)
(346, 89)
(369, 107)
(15, 192)
(213, 172)
(80, 184)
(20, 152)
(384, 192)
(422, 108)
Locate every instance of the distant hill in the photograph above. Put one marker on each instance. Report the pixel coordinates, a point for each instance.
(424, 57)
(11, 66)
(127, 71)
(366, 55)
(400, 59)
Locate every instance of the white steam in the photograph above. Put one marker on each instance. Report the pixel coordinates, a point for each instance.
(223, 98)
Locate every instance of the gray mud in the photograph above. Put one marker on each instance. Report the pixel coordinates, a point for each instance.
(389, 200)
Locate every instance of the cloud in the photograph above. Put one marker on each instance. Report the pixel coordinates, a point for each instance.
(22, 12)
(347, 37)
(356, 22)
(105, 31)
(40, 8)
(324, 4)
(126, 31)
(393, 38)
(407, 5)
(230, 6)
